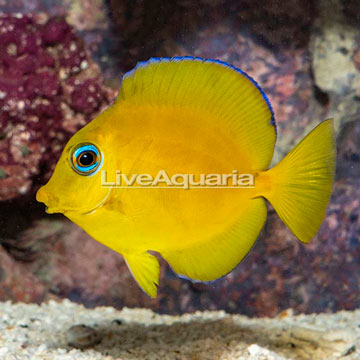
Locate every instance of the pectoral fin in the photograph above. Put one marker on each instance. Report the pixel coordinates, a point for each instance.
(145, 269)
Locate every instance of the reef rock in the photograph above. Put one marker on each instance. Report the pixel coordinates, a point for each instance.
(49, 88)
(305, 55)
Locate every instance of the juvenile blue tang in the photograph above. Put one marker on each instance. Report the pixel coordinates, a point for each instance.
(210, 128)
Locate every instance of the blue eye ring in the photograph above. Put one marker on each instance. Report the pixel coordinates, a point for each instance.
(86, 159)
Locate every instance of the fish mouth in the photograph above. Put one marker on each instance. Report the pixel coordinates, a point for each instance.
(53, 210)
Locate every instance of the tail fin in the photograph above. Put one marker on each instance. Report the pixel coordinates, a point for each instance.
(300, 185)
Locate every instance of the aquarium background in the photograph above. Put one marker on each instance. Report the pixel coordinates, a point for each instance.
(60, 65)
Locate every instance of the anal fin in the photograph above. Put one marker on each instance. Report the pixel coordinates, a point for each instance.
(215, 257)
(145, 269)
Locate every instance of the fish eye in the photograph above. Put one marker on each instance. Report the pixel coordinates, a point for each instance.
(86, 159)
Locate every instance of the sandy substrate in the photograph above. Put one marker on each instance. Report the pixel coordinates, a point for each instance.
(65, 331)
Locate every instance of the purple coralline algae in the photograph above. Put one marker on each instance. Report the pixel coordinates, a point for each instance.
(49, 88)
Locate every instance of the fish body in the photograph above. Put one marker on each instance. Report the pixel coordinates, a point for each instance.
(198, 117)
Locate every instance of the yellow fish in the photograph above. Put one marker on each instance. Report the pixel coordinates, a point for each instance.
(178, 165)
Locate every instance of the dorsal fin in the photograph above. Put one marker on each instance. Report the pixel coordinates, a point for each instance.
(232, 97)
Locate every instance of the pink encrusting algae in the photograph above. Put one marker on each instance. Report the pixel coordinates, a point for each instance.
(49, 88)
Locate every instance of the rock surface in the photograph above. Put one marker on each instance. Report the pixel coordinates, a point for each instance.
(49, 88)
(59, 330)
(306, 56)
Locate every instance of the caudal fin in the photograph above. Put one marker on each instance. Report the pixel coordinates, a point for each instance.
(300, 185)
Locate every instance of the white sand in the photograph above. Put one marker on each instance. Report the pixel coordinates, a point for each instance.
(44, 332)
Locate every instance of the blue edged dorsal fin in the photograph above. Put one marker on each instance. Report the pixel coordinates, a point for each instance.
(231, 98)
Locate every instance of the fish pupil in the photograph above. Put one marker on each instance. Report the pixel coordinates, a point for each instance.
(87, 158)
